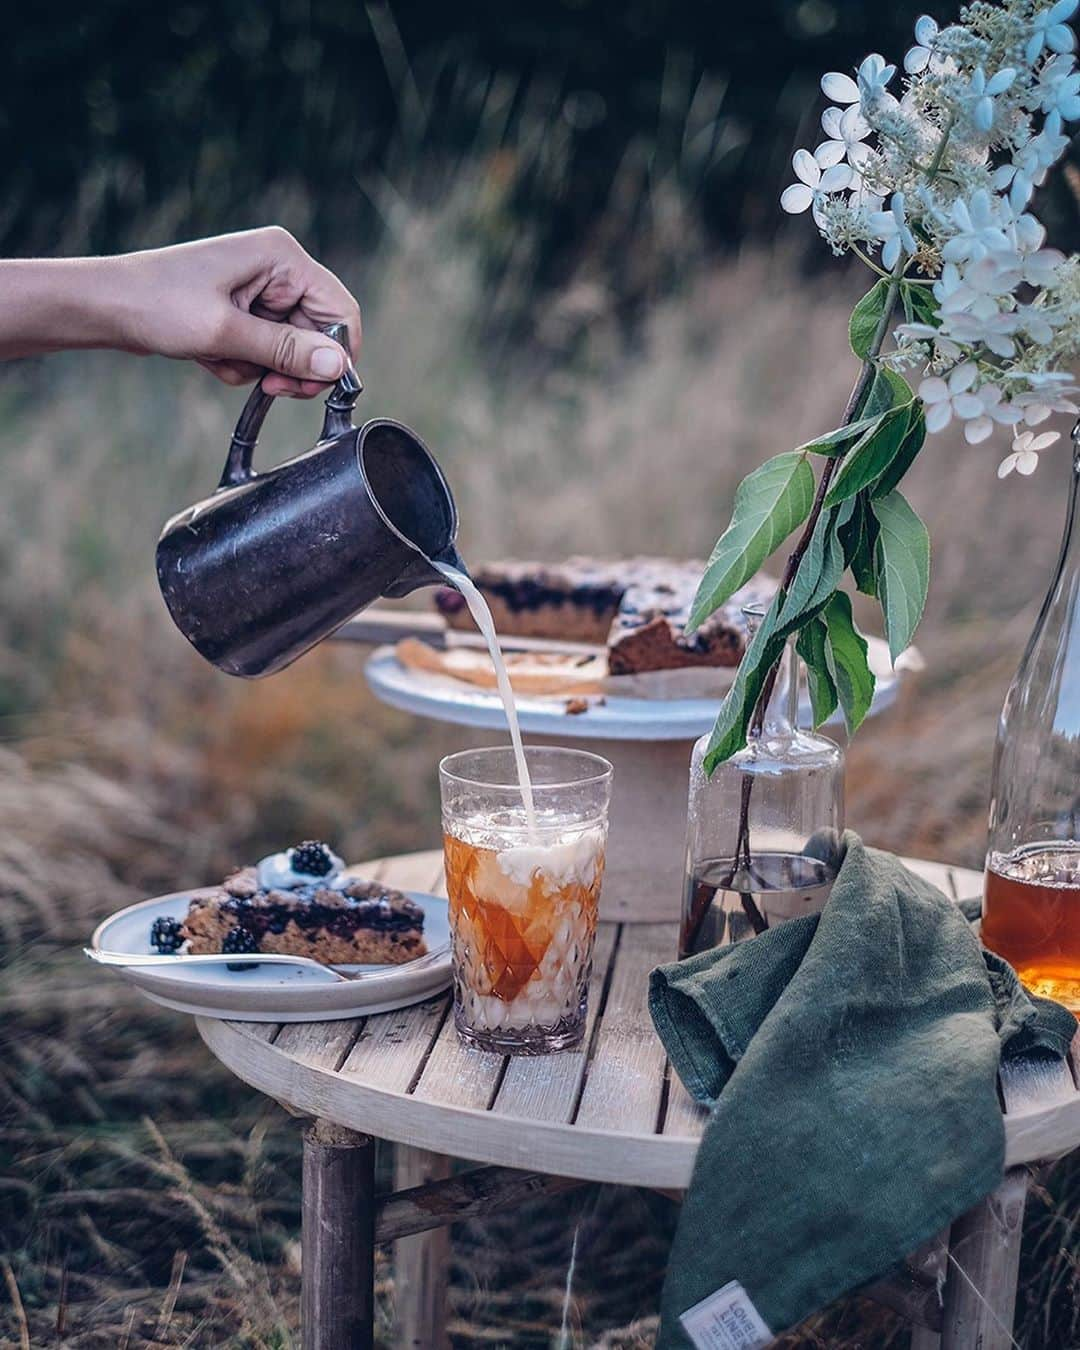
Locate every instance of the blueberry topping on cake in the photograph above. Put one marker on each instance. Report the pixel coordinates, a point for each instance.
(166, 936)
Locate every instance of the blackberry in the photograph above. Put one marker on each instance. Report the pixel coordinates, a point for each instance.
(166, 936)
(312, 859)
(239, 940)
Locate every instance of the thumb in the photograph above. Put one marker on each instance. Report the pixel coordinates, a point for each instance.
(281, 347)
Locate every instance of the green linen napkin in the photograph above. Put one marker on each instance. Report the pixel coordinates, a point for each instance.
(852, 1057)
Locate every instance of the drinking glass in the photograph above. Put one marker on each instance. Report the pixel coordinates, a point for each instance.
(523, 895)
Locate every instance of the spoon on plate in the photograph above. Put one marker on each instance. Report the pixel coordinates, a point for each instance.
(143, 960)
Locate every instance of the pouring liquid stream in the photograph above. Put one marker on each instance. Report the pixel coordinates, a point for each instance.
(478, 608)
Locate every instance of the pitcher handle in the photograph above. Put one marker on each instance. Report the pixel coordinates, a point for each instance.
(238, 468)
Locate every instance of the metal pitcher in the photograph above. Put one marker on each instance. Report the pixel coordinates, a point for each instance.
(274, 561)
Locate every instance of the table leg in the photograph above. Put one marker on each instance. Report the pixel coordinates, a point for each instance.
(421, 1263)
(984, 1264)
(337, 1297)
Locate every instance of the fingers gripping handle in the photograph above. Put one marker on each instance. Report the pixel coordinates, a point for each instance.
(238, 468)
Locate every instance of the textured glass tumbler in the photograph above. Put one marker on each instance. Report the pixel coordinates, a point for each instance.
(523, 895)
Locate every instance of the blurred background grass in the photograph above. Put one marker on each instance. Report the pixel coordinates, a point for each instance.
(561, 222)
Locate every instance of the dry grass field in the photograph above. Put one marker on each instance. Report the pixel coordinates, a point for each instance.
(148, 1199)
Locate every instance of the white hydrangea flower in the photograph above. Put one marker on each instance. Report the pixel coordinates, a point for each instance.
(1033, 158)
(1024, 456)
(847, 131)
(977, 228)
(1052, 30)
(945, 399)
(994, 331)
(981, 93)
(918, 57)
(814, 181)
(892, 230)
(996, 409)
(870, 80)
(1038, 407)
(1058, 88)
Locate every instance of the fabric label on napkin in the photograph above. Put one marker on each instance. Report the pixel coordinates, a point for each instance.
(726, 1320)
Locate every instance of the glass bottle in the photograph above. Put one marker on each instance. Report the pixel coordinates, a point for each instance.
(763, 833)
(1031, 906)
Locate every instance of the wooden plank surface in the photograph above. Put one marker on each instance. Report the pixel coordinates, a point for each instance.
(392, 1048)
(683, 1116)
(625, 1079)
(456, 1075)
(322, 1045)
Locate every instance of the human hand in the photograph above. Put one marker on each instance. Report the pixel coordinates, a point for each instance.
(240, 305)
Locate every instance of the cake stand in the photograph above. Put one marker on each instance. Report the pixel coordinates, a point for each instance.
(648, 741)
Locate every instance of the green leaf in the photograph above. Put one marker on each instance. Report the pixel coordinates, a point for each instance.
(865, 318)
(870, 456)
(859, 539)
(920, 303)
(769, 503)
(845, 657)
(905, 456)
(889, 390)
(819, 571)
(729, 733)
(833, 442)
(903, 568)
(811, 648)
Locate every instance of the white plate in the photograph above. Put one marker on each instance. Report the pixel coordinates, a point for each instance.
(617, 718)
(275, 993)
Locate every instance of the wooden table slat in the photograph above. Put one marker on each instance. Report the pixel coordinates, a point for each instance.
(546, 1087)
(323, 1045)
(391, 1048)
(625, 1076)
(455, 1075)
(259, 1031)
(683, 1116)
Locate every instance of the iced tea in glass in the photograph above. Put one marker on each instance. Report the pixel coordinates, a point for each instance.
(523, 895)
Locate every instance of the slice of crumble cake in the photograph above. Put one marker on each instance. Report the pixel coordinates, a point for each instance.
(302, 903)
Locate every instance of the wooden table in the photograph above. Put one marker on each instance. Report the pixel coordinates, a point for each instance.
(610, 1112)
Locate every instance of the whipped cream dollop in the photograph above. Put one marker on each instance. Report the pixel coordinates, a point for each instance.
(276, 873)
(562, 862)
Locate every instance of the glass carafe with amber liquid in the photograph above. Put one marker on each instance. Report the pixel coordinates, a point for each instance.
(1031, 909)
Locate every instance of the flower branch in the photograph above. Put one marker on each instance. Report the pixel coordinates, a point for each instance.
(937, 181)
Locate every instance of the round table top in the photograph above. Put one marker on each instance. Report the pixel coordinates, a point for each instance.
(611, 1111)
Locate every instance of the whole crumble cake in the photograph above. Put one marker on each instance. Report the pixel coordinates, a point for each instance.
(638, 609)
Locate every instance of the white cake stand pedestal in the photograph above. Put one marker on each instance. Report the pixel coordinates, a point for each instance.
(648, 741)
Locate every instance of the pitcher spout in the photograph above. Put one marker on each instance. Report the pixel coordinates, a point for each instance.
(421, 571)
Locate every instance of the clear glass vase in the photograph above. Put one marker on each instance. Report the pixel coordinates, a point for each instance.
(763, 833)
(1031, 909)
